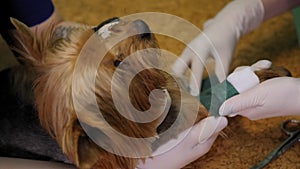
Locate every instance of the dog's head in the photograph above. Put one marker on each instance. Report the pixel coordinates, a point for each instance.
(128, 70)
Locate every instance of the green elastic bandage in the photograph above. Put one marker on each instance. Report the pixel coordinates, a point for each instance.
(213, 97)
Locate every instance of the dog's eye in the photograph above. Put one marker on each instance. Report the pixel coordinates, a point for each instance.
(117, 62)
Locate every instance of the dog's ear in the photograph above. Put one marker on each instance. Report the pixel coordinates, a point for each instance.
(23, 30)
(27, 45)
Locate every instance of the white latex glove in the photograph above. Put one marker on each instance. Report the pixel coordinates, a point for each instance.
(189, 146)
(275, 97)
(219, 39)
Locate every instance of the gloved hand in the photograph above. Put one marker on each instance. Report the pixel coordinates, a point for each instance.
(189, 146)
(275, 97)
(219, 39)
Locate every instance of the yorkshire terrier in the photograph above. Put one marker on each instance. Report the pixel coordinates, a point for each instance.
(62, 98)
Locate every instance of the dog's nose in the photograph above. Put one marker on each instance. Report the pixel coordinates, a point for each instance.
(143, 28)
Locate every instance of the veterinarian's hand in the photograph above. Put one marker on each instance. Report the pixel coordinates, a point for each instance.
(274, 97)
(189, 146)
(219, 39)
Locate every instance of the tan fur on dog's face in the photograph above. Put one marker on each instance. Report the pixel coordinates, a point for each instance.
(54, 60)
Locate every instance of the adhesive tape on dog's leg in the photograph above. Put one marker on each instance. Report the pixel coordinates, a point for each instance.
(243, 80)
